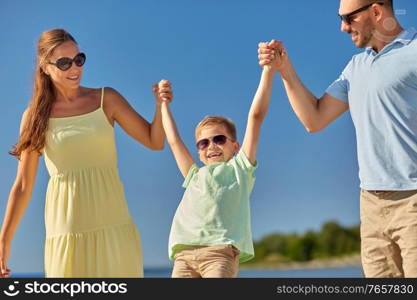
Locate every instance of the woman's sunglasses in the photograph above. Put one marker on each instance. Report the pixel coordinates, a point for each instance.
(217, 139)
(65, 63)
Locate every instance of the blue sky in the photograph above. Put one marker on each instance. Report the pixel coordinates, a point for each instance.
(208, 50)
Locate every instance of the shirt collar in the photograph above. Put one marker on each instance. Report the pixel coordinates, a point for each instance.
(405, 37)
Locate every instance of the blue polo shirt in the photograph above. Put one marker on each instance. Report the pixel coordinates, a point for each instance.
(381, 89)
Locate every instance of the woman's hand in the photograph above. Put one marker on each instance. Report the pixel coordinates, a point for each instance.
(4, 256)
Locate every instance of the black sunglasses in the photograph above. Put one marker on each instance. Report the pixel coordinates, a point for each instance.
(65, 63)
(217, 139)
(347, 18)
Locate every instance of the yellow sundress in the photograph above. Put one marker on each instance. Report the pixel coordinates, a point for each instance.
(89, 230)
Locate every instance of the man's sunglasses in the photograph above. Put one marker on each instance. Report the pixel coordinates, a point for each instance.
(347, 18)
(217, 139)
(65, 63)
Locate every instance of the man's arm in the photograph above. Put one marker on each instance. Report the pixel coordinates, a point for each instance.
(314, 113)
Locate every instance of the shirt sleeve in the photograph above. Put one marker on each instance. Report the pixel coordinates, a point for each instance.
(339, 89)
(191, 172)
(244, 162)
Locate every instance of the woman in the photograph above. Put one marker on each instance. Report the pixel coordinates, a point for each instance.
(89, 231)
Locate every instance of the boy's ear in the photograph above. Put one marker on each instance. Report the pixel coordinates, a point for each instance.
(237, 147)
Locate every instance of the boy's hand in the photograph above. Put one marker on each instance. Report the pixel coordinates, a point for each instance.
(162, 91)
(273, 55)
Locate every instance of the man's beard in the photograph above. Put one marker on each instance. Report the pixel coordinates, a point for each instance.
(366, 35)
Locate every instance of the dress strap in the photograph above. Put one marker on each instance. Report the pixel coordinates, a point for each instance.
(102, 97)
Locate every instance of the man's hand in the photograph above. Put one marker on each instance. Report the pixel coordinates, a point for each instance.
(273, 54)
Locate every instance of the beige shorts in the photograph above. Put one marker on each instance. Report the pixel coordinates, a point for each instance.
(221, 261)
(389, 233)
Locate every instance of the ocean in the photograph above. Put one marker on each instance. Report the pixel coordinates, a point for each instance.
(342, 272)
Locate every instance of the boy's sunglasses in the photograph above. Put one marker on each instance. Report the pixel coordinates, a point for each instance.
(65, 63)
(347, 18)
(217, 139)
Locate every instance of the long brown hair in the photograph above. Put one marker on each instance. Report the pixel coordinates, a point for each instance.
(33, 134)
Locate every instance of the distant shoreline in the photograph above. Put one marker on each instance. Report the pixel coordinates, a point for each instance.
(325, 263)
(337, 262)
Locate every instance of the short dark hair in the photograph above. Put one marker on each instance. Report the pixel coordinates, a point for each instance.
(388, 3)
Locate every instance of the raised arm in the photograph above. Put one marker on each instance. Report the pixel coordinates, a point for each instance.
(314, 113)
(151, 135)
(19, 197)
(257, 113)
(182, 155)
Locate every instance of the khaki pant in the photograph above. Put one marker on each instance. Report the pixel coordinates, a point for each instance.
(389, 233)
(220, 261)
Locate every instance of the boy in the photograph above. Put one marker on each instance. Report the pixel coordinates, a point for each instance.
(211, 232)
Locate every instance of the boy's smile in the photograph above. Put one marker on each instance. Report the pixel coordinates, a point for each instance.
(216, 152)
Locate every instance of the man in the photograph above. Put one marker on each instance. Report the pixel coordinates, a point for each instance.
(379, 87)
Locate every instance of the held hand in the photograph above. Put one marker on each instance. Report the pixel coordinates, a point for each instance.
(273, 55)
(4, 255)
(162, 91)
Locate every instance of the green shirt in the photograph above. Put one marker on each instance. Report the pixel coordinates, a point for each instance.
(215, 207)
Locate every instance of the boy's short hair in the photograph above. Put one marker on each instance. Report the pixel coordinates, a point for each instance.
(216, 120)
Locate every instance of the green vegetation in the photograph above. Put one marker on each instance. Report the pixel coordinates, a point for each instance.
(332, 241)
